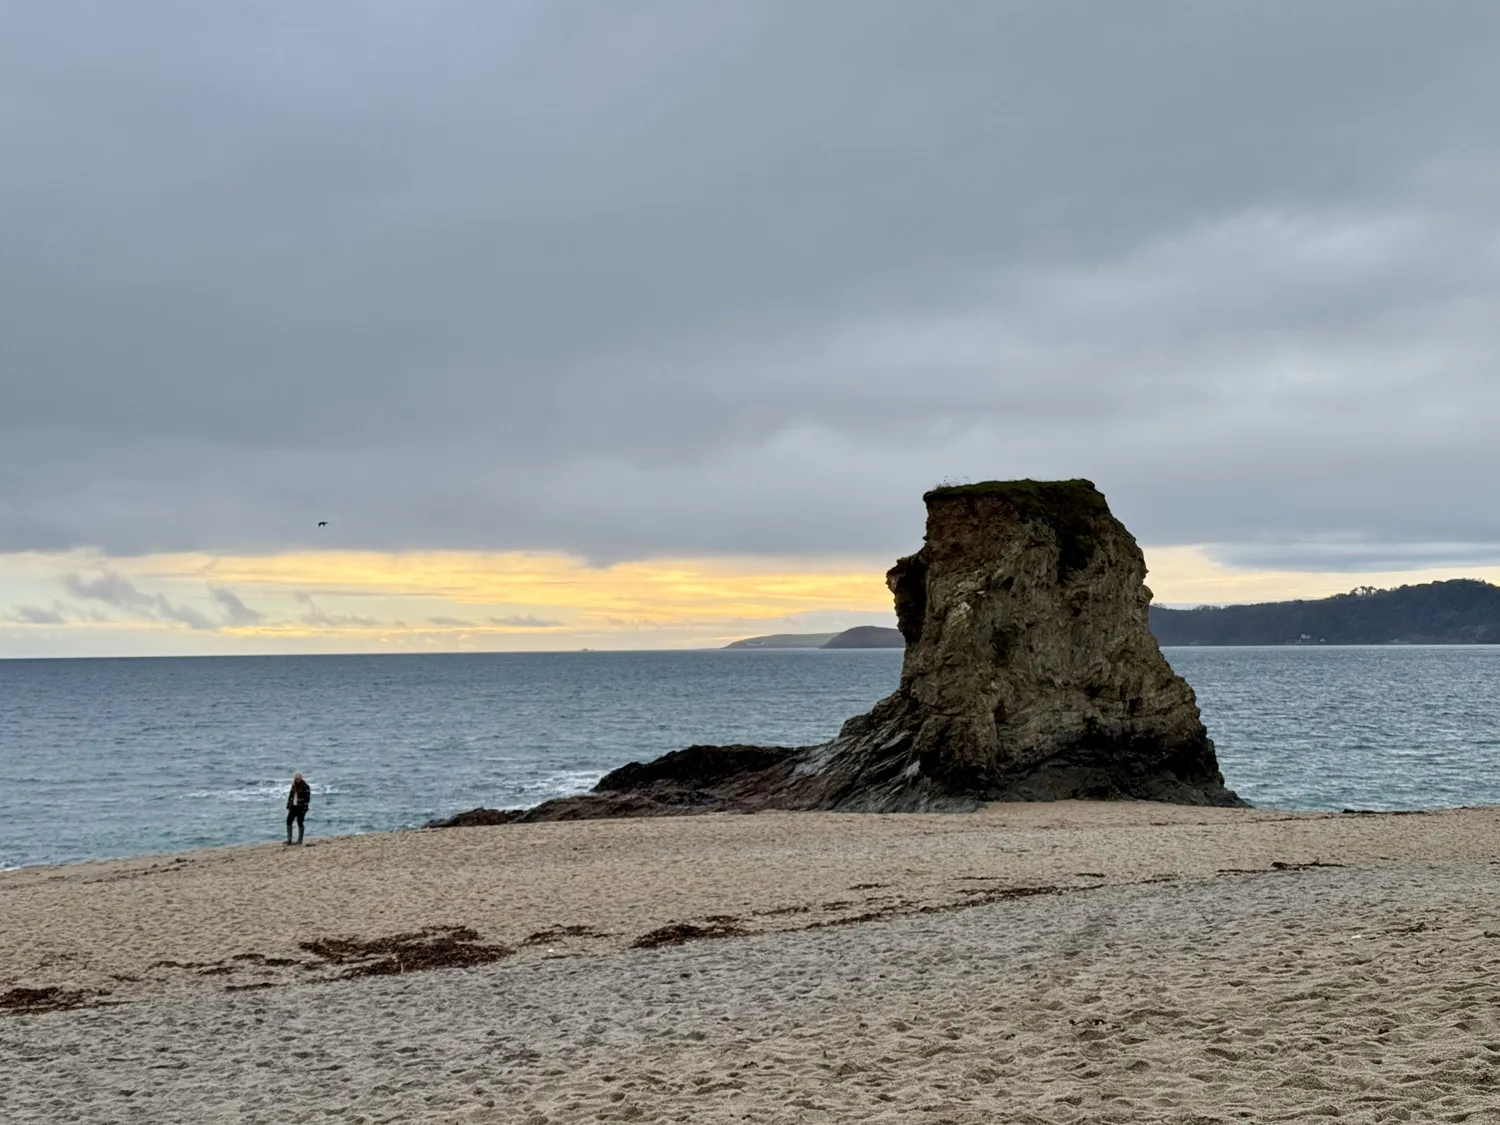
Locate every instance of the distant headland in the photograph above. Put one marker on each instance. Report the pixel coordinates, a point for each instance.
(1460, 611)
(861, 636)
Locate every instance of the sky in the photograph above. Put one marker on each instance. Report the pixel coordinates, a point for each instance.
(622, 326)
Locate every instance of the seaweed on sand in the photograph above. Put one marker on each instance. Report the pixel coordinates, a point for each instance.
(51, 998)
(437, 947)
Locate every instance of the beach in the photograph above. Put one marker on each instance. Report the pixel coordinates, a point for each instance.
(1067, 962)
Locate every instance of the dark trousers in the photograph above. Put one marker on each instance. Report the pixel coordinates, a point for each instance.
(296, 812)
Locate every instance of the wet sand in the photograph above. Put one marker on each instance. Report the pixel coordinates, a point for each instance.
(1125, 962)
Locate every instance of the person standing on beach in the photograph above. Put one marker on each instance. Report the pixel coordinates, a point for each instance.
(296, 806)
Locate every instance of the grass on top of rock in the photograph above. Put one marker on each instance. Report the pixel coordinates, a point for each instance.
(1031, 497)
(1071, 508)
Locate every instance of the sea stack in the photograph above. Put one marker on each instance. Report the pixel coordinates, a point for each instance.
(1030, 675)
(1030, 671)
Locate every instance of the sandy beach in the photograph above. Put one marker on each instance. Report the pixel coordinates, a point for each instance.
(1114, 962)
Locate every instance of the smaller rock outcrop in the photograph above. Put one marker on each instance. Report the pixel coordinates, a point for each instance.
(868, 636)
(1030, 674)
(861, 636)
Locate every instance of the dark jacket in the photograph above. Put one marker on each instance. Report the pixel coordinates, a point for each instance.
(300, 796)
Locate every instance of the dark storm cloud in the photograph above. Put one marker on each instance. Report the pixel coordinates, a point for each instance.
(684, 277)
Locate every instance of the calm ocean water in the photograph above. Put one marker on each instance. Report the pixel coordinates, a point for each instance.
(122, 757)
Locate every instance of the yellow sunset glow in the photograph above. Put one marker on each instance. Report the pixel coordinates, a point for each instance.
(454, 600)
(661, 592)
(438, 600)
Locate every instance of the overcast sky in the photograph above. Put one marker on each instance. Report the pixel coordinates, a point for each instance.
(692, 279)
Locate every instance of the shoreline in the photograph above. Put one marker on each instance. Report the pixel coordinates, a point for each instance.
(315, 840)
(126, 918)
(659, 958)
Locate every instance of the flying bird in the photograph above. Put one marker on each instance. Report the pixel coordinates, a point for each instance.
(322, 523)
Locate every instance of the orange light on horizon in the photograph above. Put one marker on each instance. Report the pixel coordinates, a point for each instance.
(454, 599)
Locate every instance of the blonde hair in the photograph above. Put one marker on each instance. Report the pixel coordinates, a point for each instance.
(296, 775)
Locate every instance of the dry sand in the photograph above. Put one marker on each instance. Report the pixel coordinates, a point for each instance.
(1124, 962)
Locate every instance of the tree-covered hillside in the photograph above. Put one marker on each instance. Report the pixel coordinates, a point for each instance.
(1461, 611)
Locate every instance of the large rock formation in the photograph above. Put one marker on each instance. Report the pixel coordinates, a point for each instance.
(1030, 670)
(1030, 674)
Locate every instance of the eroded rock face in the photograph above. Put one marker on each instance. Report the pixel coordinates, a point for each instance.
(1030, 674)
(1030, 671)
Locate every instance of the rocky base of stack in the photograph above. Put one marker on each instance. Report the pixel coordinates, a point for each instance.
(705, 779)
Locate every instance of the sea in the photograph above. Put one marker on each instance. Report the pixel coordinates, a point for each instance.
(120, 757)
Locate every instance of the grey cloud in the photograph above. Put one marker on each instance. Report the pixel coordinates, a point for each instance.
(112, 589)
(1353, 555)
(450, 622)
(321, 618)
(235, 611)
(109, 588)
(34, 615)
(688, 278)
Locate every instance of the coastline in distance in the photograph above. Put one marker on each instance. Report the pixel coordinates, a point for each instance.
(1457, 611)
(861, 636)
